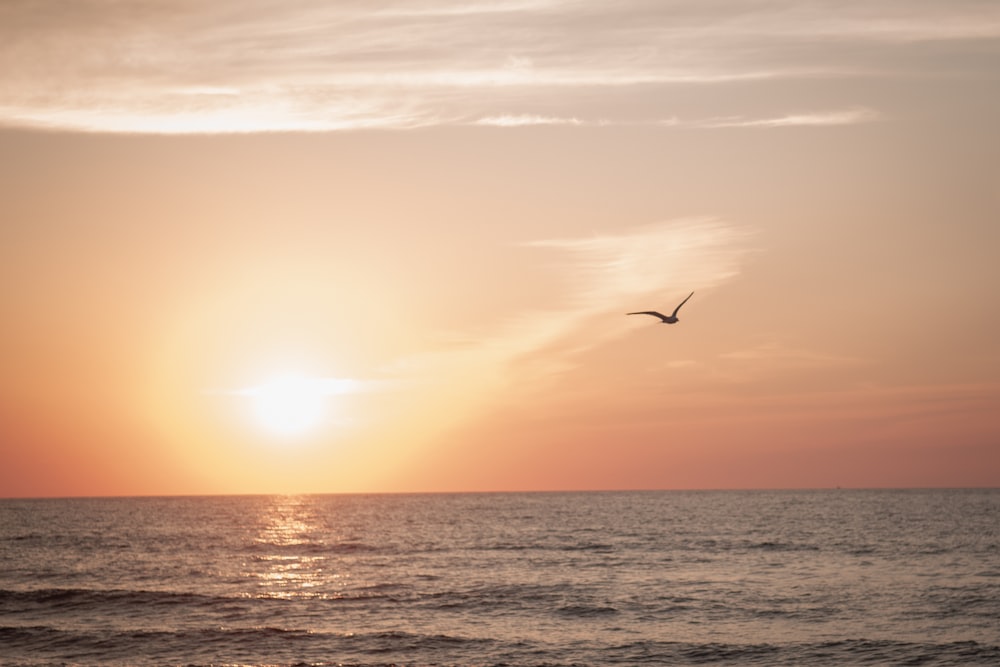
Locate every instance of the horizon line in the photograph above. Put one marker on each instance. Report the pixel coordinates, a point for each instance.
(761, 489)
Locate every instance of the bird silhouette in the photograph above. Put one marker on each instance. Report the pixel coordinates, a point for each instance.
(666, 319)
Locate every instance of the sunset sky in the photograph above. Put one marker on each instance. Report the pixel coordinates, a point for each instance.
(257, 246)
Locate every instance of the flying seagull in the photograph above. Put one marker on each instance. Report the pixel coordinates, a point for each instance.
(667, 319)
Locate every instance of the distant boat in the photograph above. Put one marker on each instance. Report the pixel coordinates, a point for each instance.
(667, 319)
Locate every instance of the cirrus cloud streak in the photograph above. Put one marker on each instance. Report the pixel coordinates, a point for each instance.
(248, 66)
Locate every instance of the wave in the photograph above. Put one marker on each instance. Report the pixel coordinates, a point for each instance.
(289, 647)
(64, 600)
(310, 548)
(821, 654)
(245, 646)
(582, 546)
(586, 611)
(780, 546)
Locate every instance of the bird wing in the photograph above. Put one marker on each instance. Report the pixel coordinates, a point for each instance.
(682, 303)
(649, 312)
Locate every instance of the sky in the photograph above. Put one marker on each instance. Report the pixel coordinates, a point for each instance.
(303, 246)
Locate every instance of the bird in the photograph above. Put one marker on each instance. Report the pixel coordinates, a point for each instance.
(666, 319)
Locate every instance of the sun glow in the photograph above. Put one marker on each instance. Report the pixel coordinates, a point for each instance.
(289, 404)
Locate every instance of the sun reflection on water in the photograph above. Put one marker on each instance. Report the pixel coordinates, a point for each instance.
(290, 556)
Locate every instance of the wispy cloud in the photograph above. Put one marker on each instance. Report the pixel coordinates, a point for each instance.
(609, 269)
(604, 274)
(254, 65)
(527, 119)
(317, 386)
(812, 119)
(816, 119)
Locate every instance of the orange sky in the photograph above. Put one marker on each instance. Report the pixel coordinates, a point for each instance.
(437, 214)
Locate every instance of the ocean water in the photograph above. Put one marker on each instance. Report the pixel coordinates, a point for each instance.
(830, 577)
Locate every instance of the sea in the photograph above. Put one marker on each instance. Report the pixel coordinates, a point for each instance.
(826, 577)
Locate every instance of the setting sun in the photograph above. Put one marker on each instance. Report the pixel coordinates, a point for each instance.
(289, 404)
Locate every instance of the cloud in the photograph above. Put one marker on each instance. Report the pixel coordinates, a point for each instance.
(813, 119)
(524, 120)
(609, 268)
(180, 66)
(605, 275)
(845, 117)
(318, 386)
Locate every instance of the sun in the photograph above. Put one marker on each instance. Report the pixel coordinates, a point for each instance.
(289, 404)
